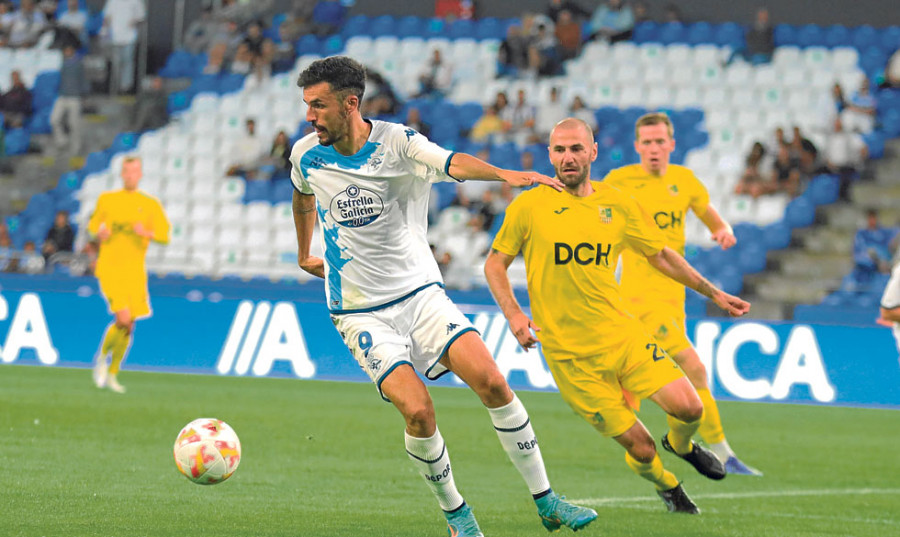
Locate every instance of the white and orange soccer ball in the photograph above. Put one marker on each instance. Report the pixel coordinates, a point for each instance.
(207, 451)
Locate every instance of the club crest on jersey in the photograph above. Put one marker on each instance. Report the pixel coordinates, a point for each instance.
(409, 133)
(356, 207)
(375, 160)
(673, 189)
(605, 215)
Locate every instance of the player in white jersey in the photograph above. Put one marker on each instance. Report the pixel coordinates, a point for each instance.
(890, 304)
(368, 183)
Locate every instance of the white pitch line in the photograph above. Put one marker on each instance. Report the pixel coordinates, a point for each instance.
(740, 495)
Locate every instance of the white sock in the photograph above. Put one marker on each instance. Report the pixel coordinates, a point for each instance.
(722, 450)
(518, 439)
(430, 457)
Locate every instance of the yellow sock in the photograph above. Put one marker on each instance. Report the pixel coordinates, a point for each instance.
(711, 423)
(680, 433)
(110, 339)
(653, 471)
(118, 353)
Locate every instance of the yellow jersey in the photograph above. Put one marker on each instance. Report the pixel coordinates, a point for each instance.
(571, 245)
(123, 253)
(667, 198)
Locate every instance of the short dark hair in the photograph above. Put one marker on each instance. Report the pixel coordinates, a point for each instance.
(345, 75)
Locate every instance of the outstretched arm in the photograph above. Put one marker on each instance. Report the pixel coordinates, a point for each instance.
(720, 229)
(670, 263)
(495, 270)
(466, 167)
(304, 208)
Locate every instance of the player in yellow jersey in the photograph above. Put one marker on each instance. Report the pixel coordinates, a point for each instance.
(667, 191)
(124, 221)
(593, 346)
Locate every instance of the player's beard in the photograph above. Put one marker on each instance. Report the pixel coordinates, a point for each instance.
(330, 137)
(572, 181)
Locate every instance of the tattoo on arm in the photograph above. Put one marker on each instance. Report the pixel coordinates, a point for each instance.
(705, 288)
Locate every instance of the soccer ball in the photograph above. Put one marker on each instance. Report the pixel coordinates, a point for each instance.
(207, 451)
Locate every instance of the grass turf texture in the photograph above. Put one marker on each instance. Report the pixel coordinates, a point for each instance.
(327, 459)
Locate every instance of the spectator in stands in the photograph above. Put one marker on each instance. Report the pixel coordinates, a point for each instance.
(576, 11)
(512, 57)
(489, 127)
(26, 25)
(122, 21)
(892, 72)
(215, 64)
(612, 21)
(845, 154)
(872, 249)
(328, 17)
(258, 44)
(75, 20)
(812, 162)
(549, 114)
(752, 182)
(298, 21)
(543, 55)
(48, 8)
(859, 110)
(200, 33)
(279, 156)
(785, 175)
(519, 119)
(245, 152)
(242, 63)
(6, 15)
(16, 103)
(414, 121)
(380, 98)
(151, 111)
(568, 35)
(580, 111)
(244, 11)
(437, 77)
(29, 261)
(672, 13)
(759, 39)
(60, 238)
(5, 239)
(73, 86)
(283, 53)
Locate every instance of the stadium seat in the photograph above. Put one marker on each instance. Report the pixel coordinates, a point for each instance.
(672, 32)
(729, 34)
(461, 29)
(837, 36)
(824, 189)
(864, 37)
(646, 32)
(810, 35)
(382, 25)
(699, 33)
(800, 212)
(490, 28)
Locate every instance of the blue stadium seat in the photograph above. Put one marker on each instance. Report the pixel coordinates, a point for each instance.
(462, 29)
(692, 138)
(699, 33)
(410, 26)
(890, 39)
(646, 32)
(124, 141)
(17, 141)
(490, 28)
(96, 162)
(729, 279)
(39, 122)
(890, 122)
(230, 83)
(70, 181)
(257, 191)
(824, 189)
(281, 190)
(94, 23)
(730, 34)
(180, 63)
(810, 35)
(747, 233)
(777, 236)
(672, 32)
(468, 114)
(308, 44)
(785, 35)
(178, 101)
(800, 212)
(355, 25)
(382, 25)
(607, 115)
(865, 36)
(332, 45)
(872, 60)
(434, 27)
(45, 90)
(837, 36)
(204, 84)
(752, 257)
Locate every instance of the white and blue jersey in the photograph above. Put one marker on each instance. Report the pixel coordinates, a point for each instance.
(373, 214)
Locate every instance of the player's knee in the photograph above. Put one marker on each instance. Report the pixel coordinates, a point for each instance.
(643, 452)
(419, 417)
(494, 389)
(690, 411)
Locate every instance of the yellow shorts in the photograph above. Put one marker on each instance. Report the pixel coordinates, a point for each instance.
(666, 322)
(593, 386)
(126, 294)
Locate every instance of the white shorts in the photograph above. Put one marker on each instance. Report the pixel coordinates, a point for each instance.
(416, 331)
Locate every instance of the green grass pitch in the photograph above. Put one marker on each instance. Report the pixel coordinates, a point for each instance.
(327, 459)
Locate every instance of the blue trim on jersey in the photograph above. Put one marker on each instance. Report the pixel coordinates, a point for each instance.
(386, 373)
(333, 258)
(444, 350)
(447, 167)
(387, 304)
(321, 155)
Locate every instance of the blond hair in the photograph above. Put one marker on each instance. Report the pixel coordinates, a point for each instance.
(654, 118)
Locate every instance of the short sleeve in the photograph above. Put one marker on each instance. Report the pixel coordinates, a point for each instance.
(98, 216)
(160, 224)
(891, 297)
(297, 178)
(516, 229)
(641, 233)
(419, 149)
(699, 195)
